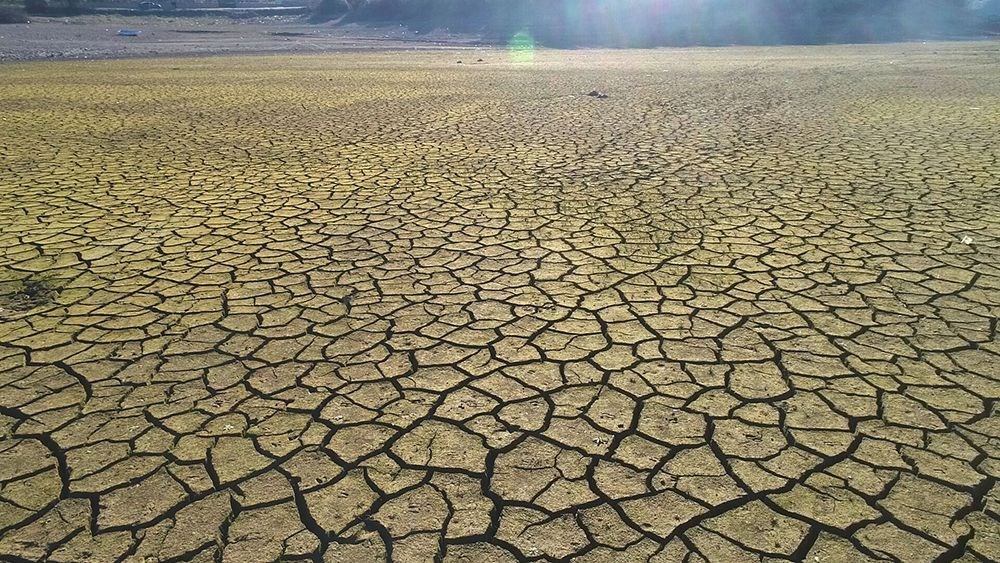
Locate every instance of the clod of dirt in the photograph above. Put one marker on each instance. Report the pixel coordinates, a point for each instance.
(33, 293)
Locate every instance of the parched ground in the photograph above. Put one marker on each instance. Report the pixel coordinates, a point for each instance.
(366, 307)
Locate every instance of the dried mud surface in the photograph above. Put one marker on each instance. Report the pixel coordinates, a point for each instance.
(391, 307)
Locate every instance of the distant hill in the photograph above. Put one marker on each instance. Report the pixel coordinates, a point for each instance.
(641, 23)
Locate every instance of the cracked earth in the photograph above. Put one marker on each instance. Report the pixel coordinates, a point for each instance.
(391, 307)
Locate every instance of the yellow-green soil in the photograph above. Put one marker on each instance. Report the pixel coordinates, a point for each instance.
(357, 307)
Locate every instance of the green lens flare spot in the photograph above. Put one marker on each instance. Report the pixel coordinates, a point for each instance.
(521, 47)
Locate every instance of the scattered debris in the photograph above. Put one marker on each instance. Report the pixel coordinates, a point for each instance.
(966, 239)
(598, 95)
(129, 32)
(459, 62)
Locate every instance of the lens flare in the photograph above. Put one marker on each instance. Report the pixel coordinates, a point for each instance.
(521, 48)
